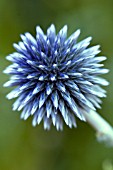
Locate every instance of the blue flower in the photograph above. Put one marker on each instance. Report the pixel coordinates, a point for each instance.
(56, 78)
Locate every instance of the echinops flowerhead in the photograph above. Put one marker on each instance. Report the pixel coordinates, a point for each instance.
(56, 78)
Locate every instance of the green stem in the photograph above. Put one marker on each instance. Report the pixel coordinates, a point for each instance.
(104, 131)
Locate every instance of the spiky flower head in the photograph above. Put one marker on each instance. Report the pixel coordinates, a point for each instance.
(56, 78)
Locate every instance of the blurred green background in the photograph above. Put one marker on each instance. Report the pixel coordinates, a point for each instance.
(23, 147)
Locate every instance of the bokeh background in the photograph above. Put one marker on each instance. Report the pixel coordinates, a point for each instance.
(23, 147)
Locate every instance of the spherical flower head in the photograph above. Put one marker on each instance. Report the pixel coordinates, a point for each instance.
(56, 78)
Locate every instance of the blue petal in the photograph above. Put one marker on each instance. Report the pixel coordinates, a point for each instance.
(51, 34)
(48, 108)
(42, 99)
(73, 38)
(55, 99)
